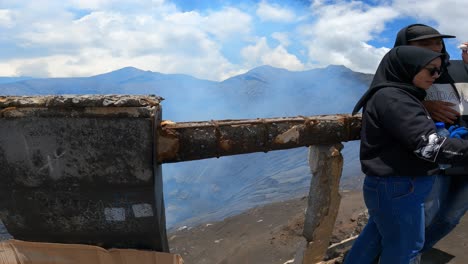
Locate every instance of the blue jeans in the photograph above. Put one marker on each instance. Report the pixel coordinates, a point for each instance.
(395, 229)
(454, 203)
(436, 199)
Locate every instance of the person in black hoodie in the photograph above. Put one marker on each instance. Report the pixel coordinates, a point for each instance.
(400, 152)
(443, 100)
(446, 101)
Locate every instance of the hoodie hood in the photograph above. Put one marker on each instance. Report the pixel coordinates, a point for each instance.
(397, 69)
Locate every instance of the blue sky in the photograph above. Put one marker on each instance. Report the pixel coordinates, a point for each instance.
(209, 39)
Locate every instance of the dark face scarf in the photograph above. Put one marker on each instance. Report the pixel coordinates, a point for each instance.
(397, 69)
(425, 30)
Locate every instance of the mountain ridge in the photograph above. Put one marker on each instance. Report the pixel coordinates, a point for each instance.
(212, 189)
(130, 71)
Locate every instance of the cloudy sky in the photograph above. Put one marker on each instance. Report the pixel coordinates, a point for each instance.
(209, 39)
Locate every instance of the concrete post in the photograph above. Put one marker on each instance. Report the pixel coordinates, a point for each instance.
(326, 163)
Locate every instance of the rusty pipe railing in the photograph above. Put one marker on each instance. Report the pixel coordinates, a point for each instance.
(47, 129)
(207, 139)
(200, 140)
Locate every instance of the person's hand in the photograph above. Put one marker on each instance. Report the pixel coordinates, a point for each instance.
(441, 111)
(458, 132)
(465, 54)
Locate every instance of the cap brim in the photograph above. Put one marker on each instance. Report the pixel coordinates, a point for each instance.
(431, 36)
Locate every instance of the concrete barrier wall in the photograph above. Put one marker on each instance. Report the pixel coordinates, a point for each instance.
(82, 169)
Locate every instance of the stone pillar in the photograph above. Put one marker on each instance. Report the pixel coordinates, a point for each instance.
(82, 169)
(326, 163)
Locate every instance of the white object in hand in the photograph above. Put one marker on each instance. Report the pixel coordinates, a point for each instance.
(463, 47)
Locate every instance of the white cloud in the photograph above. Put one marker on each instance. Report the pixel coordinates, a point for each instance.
(274, 12)
(6, 19)
(93, 61)
(449, 15)
(33, 69)
(107, 40)
(282, 38)
(83, 37)
(7, 69)
(225, 24)
(341, 32)
(228, 23)
(262, 54)
(90, 4)
(122, 5)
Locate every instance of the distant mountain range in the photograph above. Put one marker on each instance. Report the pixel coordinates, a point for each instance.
(211, 189)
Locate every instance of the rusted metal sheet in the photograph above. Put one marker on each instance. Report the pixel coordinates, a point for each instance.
(73, 177)
(200, 140)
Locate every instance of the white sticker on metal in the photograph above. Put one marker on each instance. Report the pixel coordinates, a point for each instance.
(142, 210)
(114, 214)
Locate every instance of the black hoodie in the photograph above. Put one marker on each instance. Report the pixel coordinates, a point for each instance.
(398, 137)
(459, 73)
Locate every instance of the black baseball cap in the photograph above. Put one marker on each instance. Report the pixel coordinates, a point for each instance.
(418, 32)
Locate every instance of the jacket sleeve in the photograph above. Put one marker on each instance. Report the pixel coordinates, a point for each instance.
(408, 122)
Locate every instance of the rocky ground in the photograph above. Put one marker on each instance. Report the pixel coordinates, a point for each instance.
(268, 234)
(272, 234)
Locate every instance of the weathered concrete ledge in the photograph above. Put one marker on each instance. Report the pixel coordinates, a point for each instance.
(200, 140)
(80, 101)
(79, 106)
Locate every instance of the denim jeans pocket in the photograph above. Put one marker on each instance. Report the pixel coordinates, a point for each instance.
(371, 196)
(401, 188)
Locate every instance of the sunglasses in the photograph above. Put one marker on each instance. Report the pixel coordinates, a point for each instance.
(434, 70)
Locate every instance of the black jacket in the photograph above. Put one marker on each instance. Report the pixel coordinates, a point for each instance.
(453, 89)
(398, 137)
(458, 71)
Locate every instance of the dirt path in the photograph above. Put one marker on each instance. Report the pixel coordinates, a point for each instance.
(271, 235)
(454, 246)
